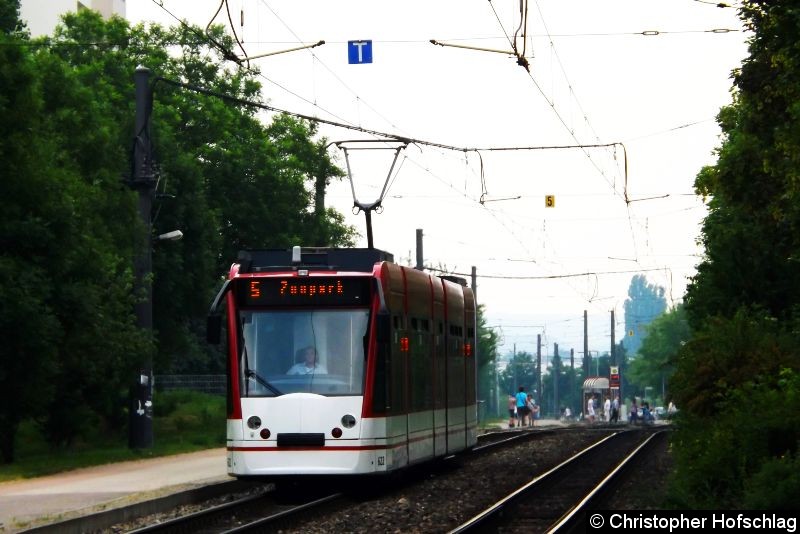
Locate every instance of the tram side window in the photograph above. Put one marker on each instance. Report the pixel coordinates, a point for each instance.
(421, 388)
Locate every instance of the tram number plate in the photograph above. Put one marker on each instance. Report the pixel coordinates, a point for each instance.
(381, 460)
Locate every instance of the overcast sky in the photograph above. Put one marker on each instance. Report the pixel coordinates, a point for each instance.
(650, 75)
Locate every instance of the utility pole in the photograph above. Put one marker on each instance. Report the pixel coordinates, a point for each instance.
(556, 365)
(140, 409)
(514, 363)
(587, 358)
(572, 369)
(613, 342)
(539, 370)
(475, 283)
(420, 265)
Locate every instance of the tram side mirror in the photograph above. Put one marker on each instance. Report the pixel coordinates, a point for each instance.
(214, 329)
(383, 328)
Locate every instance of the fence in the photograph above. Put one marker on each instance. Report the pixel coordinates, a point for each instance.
(214, 384)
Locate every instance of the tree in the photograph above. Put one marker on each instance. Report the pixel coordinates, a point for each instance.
(70, 227)
(568, 395)
(520, 371)
(487, 364)
(645, 302)
(25, 292)
(742, 304)
(227, 180)
(656, 360)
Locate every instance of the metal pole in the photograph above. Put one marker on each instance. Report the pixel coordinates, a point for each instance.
(556, 362)
(514, 362)
(539, 371)
(613, 342)
(475, 283)
(140, 433)
(368, 215)
(420, 265)
(572, 369)
(587, 358)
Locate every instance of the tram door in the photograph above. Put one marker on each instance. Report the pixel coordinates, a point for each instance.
(439, 370)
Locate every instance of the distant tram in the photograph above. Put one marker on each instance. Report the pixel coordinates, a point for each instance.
(341, 362)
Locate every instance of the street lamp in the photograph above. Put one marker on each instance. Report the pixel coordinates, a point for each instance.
(171, 236)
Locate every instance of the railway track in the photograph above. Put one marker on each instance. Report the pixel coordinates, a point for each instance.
(557, 500)
(267, 511)
(248, 514)
(436, 496)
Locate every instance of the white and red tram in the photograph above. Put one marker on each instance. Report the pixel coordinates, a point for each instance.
(394, 382)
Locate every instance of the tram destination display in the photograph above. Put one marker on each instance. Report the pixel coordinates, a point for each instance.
(304, 291)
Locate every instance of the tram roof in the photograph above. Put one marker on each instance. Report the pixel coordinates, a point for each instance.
(334, 259)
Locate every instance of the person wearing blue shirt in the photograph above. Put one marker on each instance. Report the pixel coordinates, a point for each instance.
(522, 406)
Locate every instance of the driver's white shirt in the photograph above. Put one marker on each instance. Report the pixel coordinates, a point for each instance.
(301, 369)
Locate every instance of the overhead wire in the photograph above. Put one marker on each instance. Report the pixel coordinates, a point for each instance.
(394, 136)
(324, 65)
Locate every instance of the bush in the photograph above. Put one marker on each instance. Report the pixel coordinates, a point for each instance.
(741, 452)
(776, 486)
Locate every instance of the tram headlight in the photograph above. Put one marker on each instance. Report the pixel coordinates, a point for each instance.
(348, 421)
(254, 422)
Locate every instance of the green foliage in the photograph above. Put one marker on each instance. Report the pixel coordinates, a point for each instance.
(735, 381)
(71, 228)
(194, 421)
(569, 381)
(645, 302)
(775, 486)
(520, 371)
(9, 17)
(487, 356)
(742, 455)
(659, 351)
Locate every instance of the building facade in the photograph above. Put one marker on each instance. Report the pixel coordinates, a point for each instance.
(42, 16)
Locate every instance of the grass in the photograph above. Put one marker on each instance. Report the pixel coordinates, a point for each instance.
(184, 421)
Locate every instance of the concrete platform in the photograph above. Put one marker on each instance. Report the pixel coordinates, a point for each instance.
(25, 504)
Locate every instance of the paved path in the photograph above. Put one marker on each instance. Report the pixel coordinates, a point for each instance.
(61, 496)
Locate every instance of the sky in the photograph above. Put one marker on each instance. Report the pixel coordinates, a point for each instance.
(644, 78)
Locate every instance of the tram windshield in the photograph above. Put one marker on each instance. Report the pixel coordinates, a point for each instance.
(310, 351)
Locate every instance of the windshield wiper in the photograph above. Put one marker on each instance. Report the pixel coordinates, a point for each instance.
(258, 378)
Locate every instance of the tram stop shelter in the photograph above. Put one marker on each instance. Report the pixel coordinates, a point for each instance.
(597, 386)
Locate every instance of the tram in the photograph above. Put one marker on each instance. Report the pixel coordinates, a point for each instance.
(341, 362)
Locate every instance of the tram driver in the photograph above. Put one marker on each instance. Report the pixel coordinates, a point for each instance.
(308, 364)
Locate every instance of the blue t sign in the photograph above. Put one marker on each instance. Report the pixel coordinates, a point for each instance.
(359, 51)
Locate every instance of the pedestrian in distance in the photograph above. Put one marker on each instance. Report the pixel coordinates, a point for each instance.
(531, 407)
(615, 409)
(607, 410)
(647, 417)
(522, 406)
(512, 410)
(671, 410)
(634, 412)
(590, 409)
